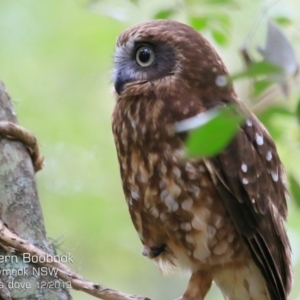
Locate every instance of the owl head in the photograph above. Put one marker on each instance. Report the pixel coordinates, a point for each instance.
(165, 58)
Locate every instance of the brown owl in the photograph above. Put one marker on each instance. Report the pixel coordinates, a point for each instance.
(222, 217)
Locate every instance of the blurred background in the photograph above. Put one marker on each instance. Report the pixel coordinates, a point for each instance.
(55, 60)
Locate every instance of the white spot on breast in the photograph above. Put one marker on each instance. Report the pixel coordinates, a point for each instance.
(259, 139)
(133, 123)
(274, 176)
(201, 253)
(164, 194)
(219, 221)
(253, 200)
(245, 181)
(163, 168)
(197, 223)
(187, 204)
(211, 230)
(171, 203)
(179, 153)
(177, 172)
(244, 167)
(154, 211)
(220, 248)
(269, 156)
(162, 184)
(175, 190)
(189, 239)
(186, 226)
(249, 122)
(135, 194)
(142, 177)
(194, 189)
(189, 168)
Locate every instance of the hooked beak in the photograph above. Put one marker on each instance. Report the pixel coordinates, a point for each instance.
(119, 83)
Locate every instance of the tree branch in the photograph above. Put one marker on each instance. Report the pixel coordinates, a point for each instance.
(10, 239)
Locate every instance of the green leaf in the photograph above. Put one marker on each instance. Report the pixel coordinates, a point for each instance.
(220, 37)
(258, 69)
(214, 135)
(164, 14)
(260, 86)
(295, 189)
(283, 21)
(199, 23)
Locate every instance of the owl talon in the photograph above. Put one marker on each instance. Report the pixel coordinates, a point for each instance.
(13, 131)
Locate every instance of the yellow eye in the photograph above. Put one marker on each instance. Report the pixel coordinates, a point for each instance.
(144, 56)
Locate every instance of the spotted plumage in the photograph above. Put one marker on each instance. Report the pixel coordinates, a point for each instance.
(222, 217)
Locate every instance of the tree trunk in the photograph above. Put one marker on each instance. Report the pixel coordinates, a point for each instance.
(20, 210)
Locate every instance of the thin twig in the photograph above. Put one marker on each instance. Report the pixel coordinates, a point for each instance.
(10, 239)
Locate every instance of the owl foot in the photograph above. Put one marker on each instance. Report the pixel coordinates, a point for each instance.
(13, 131)
(198, 286)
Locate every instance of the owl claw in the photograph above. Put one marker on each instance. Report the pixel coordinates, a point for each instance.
(13, 131)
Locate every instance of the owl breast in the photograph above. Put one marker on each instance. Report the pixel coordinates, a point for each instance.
(173, 203)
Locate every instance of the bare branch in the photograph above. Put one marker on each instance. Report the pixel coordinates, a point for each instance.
(10, 239)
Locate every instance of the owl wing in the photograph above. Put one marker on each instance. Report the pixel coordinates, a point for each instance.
(250, 179)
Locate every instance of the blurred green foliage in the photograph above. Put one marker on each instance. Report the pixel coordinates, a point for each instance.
(55, 59)
(216, 120)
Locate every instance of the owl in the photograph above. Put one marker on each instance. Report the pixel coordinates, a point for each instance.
(222, 217)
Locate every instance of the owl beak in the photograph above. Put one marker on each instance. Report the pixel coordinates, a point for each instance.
(119, 83)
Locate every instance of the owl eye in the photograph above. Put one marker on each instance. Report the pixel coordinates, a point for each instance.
(144, 56)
